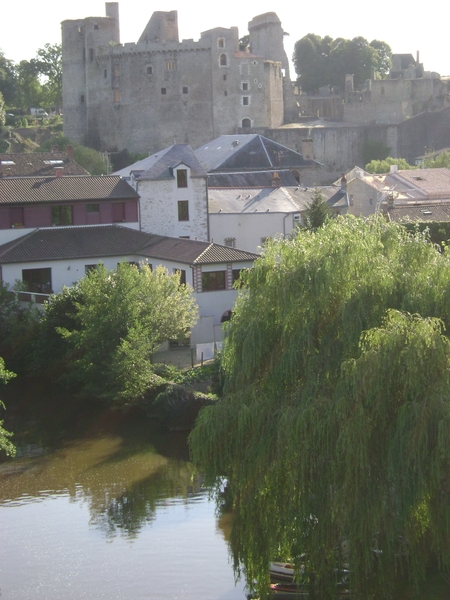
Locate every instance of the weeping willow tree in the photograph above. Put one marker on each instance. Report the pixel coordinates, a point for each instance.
(334, 429)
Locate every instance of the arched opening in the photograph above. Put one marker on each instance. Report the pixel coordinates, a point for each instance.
(246, 123)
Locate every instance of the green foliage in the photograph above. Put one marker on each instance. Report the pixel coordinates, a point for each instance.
(122, 159)
(373, 150)
(29, 88)
(120, 319)
(48, 63)
(7, 79)
(335, 422)
(383, 166)
(317, 213)
(439, 161)
(88, 158)
(323, 61)
(5, 444)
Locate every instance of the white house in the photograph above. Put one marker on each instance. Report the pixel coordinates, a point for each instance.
(47, 259)
(246, 217)
(173, 191)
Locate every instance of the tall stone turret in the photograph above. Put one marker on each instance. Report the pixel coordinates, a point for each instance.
(82, 40)
(162, 27)
(266, 39)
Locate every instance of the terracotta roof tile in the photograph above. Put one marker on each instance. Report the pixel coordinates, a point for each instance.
(38, 164)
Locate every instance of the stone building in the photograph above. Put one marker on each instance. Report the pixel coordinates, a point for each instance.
(145, 95)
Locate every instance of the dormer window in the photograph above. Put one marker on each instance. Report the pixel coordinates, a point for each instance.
(182, 178)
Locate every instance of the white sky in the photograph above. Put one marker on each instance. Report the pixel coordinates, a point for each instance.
(407, 28)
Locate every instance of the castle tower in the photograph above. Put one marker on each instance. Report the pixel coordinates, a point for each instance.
(81, 41)
(266, 39)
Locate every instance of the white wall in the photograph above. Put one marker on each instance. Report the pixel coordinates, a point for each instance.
(159, 207)
(211, 305)
(249, 228)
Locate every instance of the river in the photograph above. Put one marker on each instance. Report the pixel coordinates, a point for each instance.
(105, 507)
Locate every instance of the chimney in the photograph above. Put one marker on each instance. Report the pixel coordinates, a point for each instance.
(393, 169)
(69, 152)
(307, 148)
(58, 171)
(276, 181)
(343, 182)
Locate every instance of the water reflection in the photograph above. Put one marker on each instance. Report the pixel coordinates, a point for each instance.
(115, 511)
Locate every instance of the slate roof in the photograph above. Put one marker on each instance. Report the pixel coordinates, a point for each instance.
(113, 240)
(270, 200)
(160, 165)
(38, 164)
(420, 213)
(248, 151)
(39, 190)
(247, 179)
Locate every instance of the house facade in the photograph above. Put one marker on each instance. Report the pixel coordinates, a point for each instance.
(47, 259)
(30, 202)
(173, 191)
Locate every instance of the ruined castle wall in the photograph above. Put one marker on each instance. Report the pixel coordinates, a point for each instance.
(393, 100)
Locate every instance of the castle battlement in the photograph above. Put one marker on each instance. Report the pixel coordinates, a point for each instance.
(142, 95)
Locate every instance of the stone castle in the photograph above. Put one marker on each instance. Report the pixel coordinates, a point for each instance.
(144, 96)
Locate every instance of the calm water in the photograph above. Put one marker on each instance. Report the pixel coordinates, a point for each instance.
(116, 511)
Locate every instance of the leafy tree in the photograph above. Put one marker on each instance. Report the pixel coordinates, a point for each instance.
(7, 79)
(374, 150)
(48, 63)
(323, 61)
(317, 213)
(5, 444)
(439, 161)
(121, 318)
(88, 158)
(29, 89)
(383, 166)
(333, 430)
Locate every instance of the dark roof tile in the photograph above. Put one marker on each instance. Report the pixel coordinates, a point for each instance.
(33, 190)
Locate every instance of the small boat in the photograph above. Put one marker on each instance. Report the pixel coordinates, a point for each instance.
(281, 571)
(287, 591)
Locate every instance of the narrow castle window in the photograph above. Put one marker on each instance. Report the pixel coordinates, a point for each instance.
(96, 26)
(116, 70)
(170, 65)
(223, 60)
(245, 100)
(245, 86)
(82, 99)
(105, 73)
(149, 70)
(221, 43)
(185, 89)
(246, 123)
(116, 96)
(91, 54)
(163, 91)
(225, 93)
